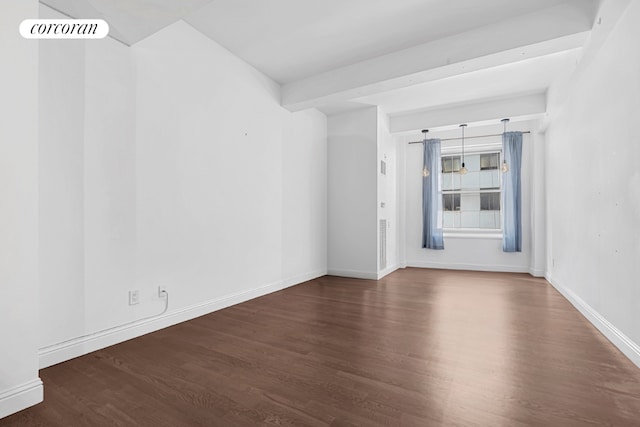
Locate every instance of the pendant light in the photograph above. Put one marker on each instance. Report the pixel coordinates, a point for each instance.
(505, 166)
(463, 170)
(425, 171)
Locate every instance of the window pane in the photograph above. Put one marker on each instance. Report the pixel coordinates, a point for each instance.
(489, 179)
(490, 201)
(489, 161)
(451, 202)
(490, 219)
(448, 220)
(446, 164)
(472, 162)
(455, 181)
(450, 181)
(471, 181)
(450, 164)
(470, 219)
(470, 202)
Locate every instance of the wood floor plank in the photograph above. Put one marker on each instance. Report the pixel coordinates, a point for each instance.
(418, 348)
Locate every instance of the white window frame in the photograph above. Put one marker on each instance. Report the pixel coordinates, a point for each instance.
(481, 233)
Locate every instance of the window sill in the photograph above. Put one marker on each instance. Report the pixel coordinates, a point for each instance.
(471, 233)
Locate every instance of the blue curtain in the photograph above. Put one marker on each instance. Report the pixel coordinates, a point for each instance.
(511, 193)
(431, 197)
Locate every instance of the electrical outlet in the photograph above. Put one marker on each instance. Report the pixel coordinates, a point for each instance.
(161, 291)
(134, 297)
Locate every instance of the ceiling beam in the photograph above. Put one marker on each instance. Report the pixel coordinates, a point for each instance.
(516, 108)
(545, 32)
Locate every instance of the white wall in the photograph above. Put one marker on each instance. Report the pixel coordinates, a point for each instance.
(209, 169)
(462, 251)
(304, 198)
(61, 185)
(87, 193)
(352, 193)
(387, 193)
(109, 189)
(186, 173)
(593, 184)
(20, 386)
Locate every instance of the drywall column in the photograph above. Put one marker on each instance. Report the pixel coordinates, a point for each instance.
(387, 197)
(537, 263)
(401, 191)
(353, 194)
(20, 386)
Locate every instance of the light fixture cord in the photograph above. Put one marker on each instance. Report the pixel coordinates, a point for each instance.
(463, 145)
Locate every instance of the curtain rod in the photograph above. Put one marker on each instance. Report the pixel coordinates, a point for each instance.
(466, 137)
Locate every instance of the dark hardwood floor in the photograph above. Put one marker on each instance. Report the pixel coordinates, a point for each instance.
(418, 348)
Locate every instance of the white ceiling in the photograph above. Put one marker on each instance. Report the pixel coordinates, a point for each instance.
(403, 55)
(290, 40)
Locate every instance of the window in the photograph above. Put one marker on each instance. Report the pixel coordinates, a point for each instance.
(472, 201)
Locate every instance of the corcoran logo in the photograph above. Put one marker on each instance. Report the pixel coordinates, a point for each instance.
(64, 29)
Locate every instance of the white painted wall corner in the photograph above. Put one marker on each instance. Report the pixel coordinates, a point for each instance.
(355, 274)
(303, 278)
(387, 271)
(21, 397)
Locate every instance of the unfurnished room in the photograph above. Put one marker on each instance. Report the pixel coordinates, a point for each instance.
(319, 213)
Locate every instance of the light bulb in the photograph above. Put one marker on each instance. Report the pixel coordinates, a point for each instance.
(425, 172)
(463, 170)
(505, 167)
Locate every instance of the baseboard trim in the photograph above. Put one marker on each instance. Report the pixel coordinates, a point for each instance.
(387, 271)
(471, 267)
(627, 346)
(70, 349)
(296, 280)
(21, 397)
(536, 273)
(356, 274)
